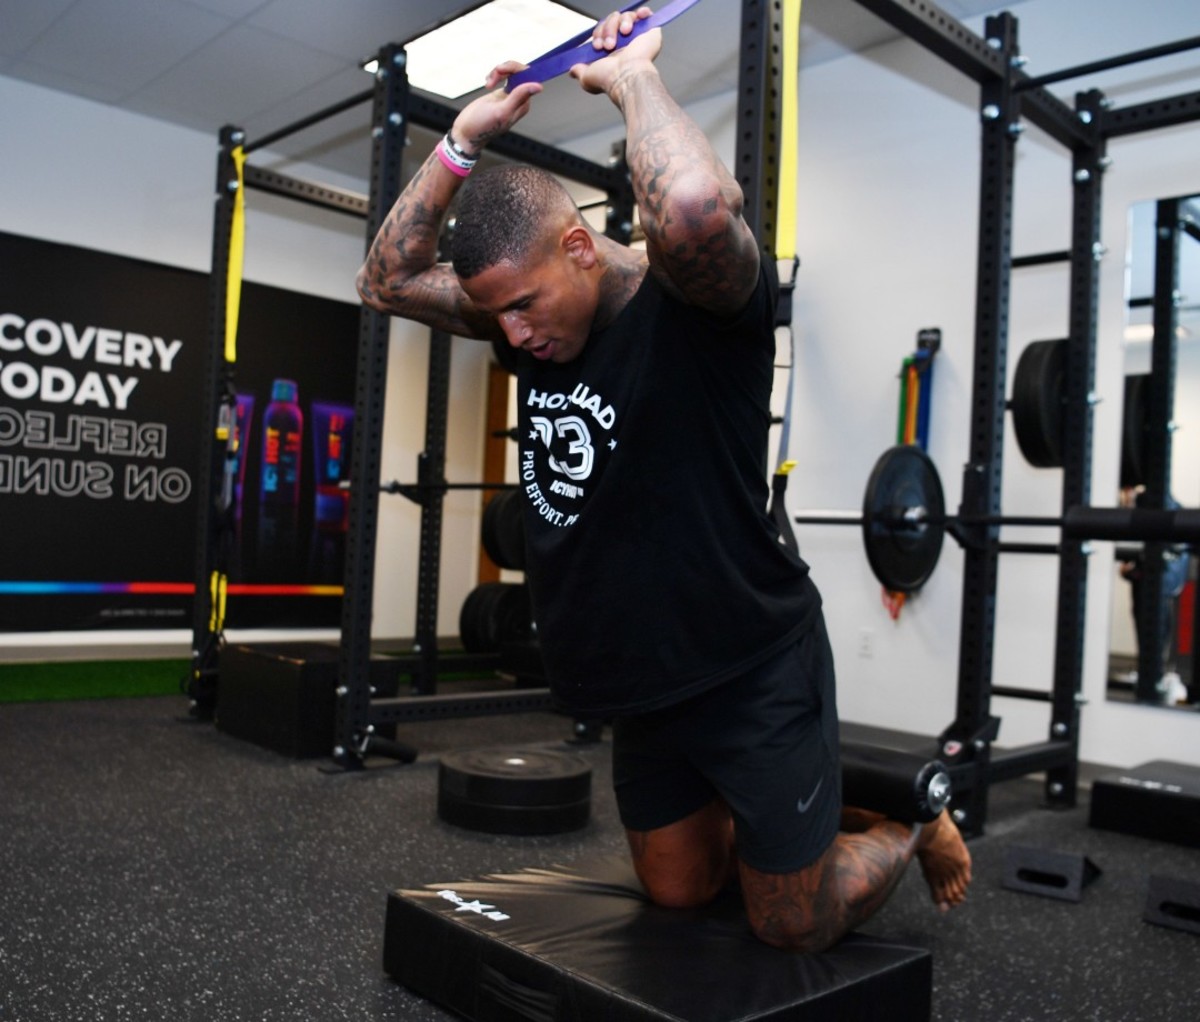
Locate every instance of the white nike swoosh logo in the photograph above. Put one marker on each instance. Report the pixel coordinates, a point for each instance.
(802, 805)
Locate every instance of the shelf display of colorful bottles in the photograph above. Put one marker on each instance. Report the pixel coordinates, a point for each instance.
(283, 432)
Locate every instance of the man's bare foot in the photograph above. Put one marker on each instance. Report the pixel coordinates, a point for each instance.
(945, 862)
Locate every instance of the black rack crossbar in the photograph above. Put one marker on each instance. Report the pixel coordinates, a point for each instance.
(1054, 117)
(439, 117)
(310, 120)
(336, 199)
(1041, 259)
(1029, 548)
(1037, 695)
(1159, 113)
(468, 704)
(1009, 764)
(428, 113)
(1135, 57)
(942, 34)
(457, 661)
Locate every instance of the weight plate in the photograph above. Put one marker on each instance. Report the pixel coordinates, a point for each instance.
(523, 820)
(1039, 389)
(515, 776)
(503, 530)
(902, 552)
(494, 613)
(473, 617)
(1133, 431)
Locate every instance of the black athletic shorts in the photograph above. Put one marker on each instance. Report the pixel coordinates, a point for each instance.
(766, 742)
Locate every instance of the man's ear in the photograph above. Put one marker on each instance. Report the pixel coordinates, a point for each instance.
(579, 245)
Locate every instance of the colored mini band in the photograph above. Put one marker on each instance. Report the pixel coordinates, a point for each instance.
(579, 49)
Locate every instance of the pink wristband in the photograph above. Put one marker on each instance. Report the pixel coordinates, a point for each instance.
(452, 162)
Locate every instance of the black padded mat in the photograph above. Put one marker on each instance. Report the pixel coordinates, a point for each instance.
(583, 943)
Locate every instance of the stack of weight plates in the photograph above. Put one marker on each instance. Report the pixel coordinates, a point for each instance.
(495, 613)
(515, 790)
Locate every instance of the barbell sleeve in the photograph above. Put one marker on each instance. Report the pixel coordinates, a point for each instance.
(1151, 525)
(903, 786)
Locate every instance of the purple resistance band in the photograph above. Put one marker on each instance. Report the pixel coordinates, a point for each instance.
(579, 50)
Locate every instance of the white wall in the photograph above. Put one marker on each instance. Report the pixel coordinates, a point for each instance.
(85, 174)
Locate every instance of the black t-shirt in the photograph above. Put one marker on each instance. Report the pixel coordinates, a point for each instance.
(654, 567)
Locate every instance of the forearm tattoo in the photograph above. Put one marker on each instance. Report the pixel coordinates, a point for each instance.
(401, 274)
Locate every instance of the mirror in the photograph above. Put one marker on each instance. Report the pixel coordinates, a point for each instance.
(1151, 658)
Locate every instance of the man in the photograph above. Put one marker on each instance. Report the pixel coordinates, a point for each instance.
(663, 596)
(1174, 578)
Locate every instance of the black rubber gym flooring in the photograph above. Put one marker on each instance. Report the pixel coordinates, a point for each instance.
(152, 867)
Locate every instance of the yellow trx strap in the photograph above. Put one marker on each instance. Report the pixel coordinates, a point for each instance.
(217, 587)
(785, 230)
(237, 248)
(785, 252)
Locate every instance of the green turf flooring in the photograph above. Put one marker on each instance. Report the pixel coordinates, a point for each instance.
(90, 679)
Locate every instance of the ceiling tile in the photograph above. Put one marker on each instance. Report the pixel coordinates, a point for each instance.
(340, 86)
(352, 28)
(24, 21)
(235, 9)
(124, 43)
(234, 76)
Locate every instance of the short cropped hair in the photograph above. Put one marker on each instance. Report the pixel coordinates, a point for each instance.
(503, 213)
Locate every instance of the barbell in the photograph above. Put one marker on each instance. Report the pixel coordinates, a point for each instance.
(904, 520)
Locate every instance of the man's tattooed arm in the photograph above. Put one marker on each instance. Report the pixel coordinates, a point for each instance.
(401, 274)
(690, 205)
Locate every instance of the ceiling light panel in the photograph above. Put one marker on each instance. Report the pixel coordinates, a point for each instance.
(455, 59)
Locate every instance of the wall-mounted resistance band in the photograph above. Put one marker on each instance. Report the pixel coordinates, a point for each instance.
(912, 419)
(916, 390)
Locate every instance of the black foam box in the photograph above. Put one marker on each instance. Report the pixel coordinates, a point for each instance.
(282, 695)
(1159, 800)
(584, 943)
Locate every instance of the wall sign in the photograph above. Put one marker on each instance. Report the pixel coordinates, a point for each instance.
(102, 362)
